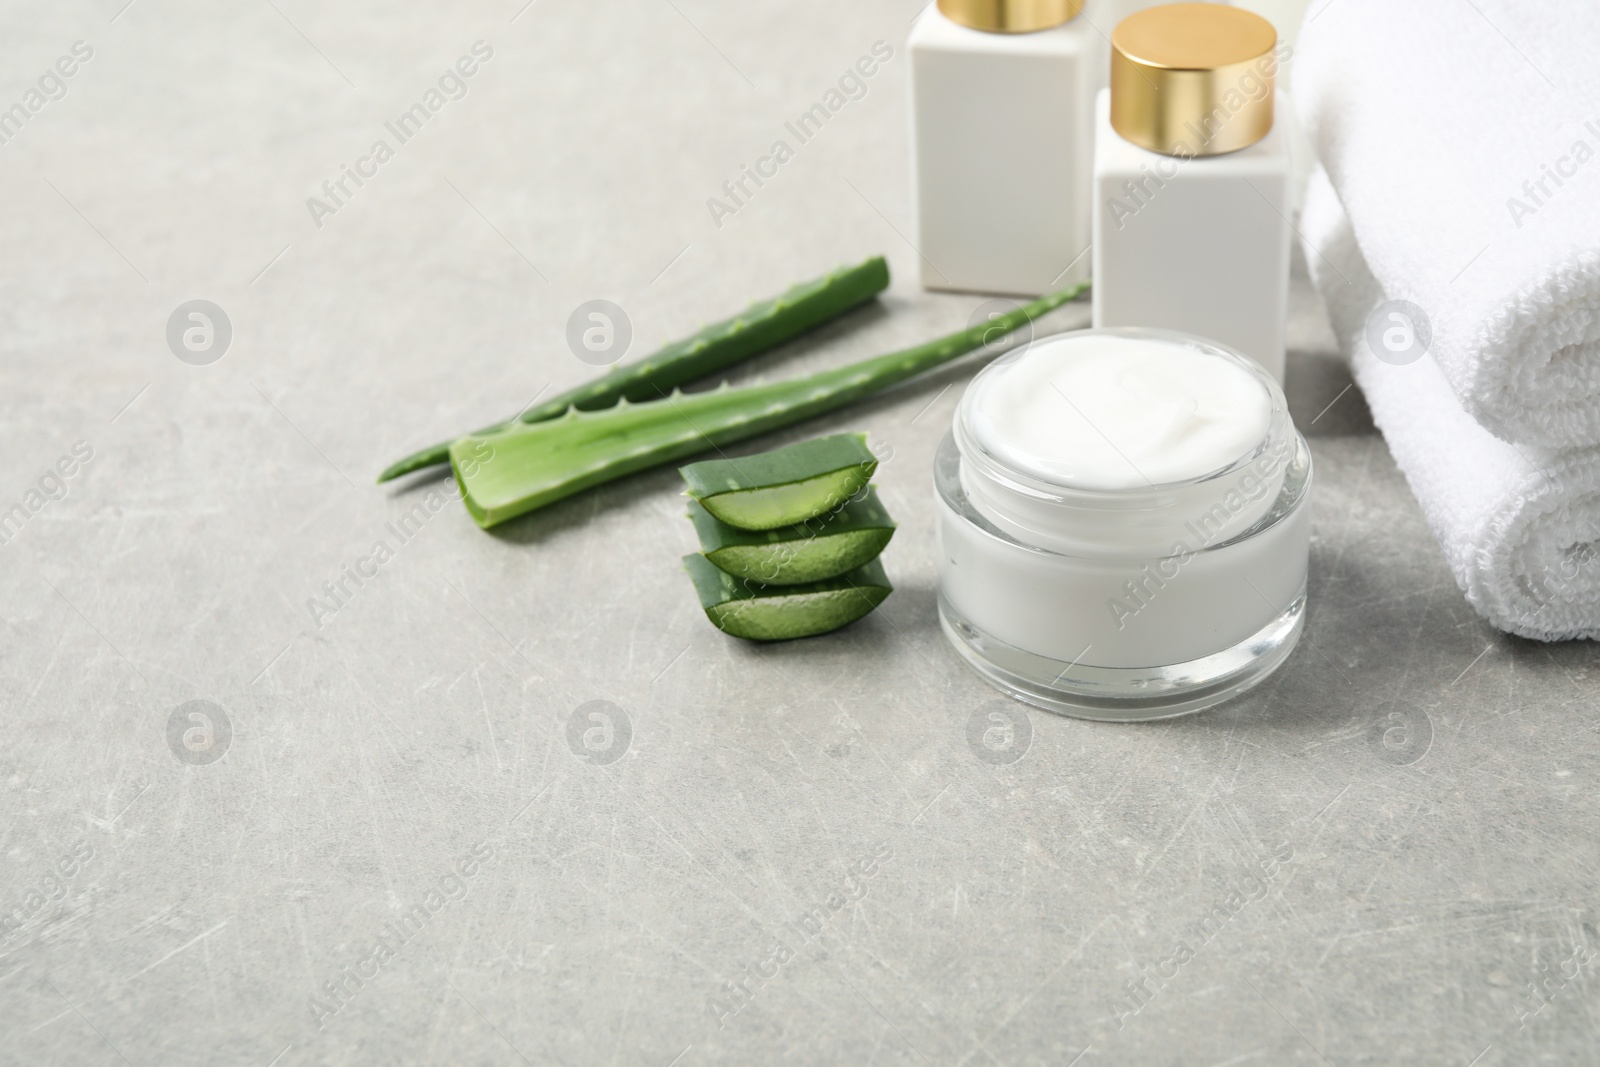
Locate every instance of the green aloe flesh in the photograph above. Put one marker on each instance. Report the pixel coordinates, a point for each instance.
(506, 474)
(782, 612)
(759, 328)
(823, 547)
(785, 486)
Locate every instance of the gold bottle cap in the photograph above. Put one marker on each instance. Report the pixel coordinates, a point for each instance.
(1193, 79)
(1010, 16)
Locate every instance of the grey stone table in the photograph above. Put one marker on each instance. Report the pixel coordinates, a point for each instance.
(795, 854)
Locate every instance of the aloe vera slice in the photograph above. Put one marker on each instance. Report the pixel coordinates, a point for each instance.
(506, 474)
(780, 612)
(757, 329)
(787, 485)
(823, 547)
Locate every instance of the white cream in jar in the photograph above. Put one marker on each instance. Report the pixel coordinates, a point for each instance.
(1123, 524)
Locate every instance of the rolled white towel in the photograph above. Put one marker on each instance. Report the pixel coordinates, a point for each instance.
(1519, 524)
(1464, 142)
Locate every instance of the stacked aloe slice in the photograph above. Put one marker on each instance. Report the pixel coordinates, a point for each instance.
(789, 540)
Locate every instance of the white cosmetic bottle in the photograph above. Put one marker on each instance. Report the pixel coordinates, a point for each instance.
(1002, 143)
(1193, 180)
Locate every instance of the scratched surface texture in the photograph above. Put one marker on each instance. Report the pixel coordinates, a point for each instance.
(248, 817)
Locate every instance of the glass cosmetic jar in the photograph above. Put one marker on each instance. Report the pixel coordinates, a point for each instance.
(1123, 523)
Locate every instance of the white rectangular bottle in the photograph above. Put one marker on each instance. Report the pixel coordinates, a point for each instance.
(1002, 98)
(1193, 181)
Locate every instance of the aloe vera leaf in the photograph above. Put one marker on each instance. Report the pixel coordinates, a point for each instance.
(760, 327)
(787, 485)
(823, 547)
(517, 470)
(781, 612)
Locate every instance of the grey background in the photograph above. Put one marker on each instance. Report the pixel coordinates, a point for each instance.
(1433, 780)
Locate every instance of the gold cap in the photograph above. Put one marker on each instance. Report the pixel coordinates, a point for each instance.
(1193, 79)
(1010, 16)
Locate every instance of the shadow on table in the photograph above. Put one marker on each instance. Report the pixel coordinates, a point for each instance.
(1324, 400)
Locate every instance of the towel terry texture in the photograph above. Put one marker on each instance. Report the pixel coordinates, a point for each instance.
(1463, 140)
(1519, 524)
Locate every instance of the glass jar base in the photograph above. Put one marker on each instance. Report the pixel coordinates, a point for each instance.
(1126, 694)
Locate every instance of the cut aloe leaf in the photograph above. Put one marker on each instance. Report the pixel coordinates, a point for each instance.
(524, 467)
(823, 547)
(787, 485)
(759, 328)
(781, 612)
